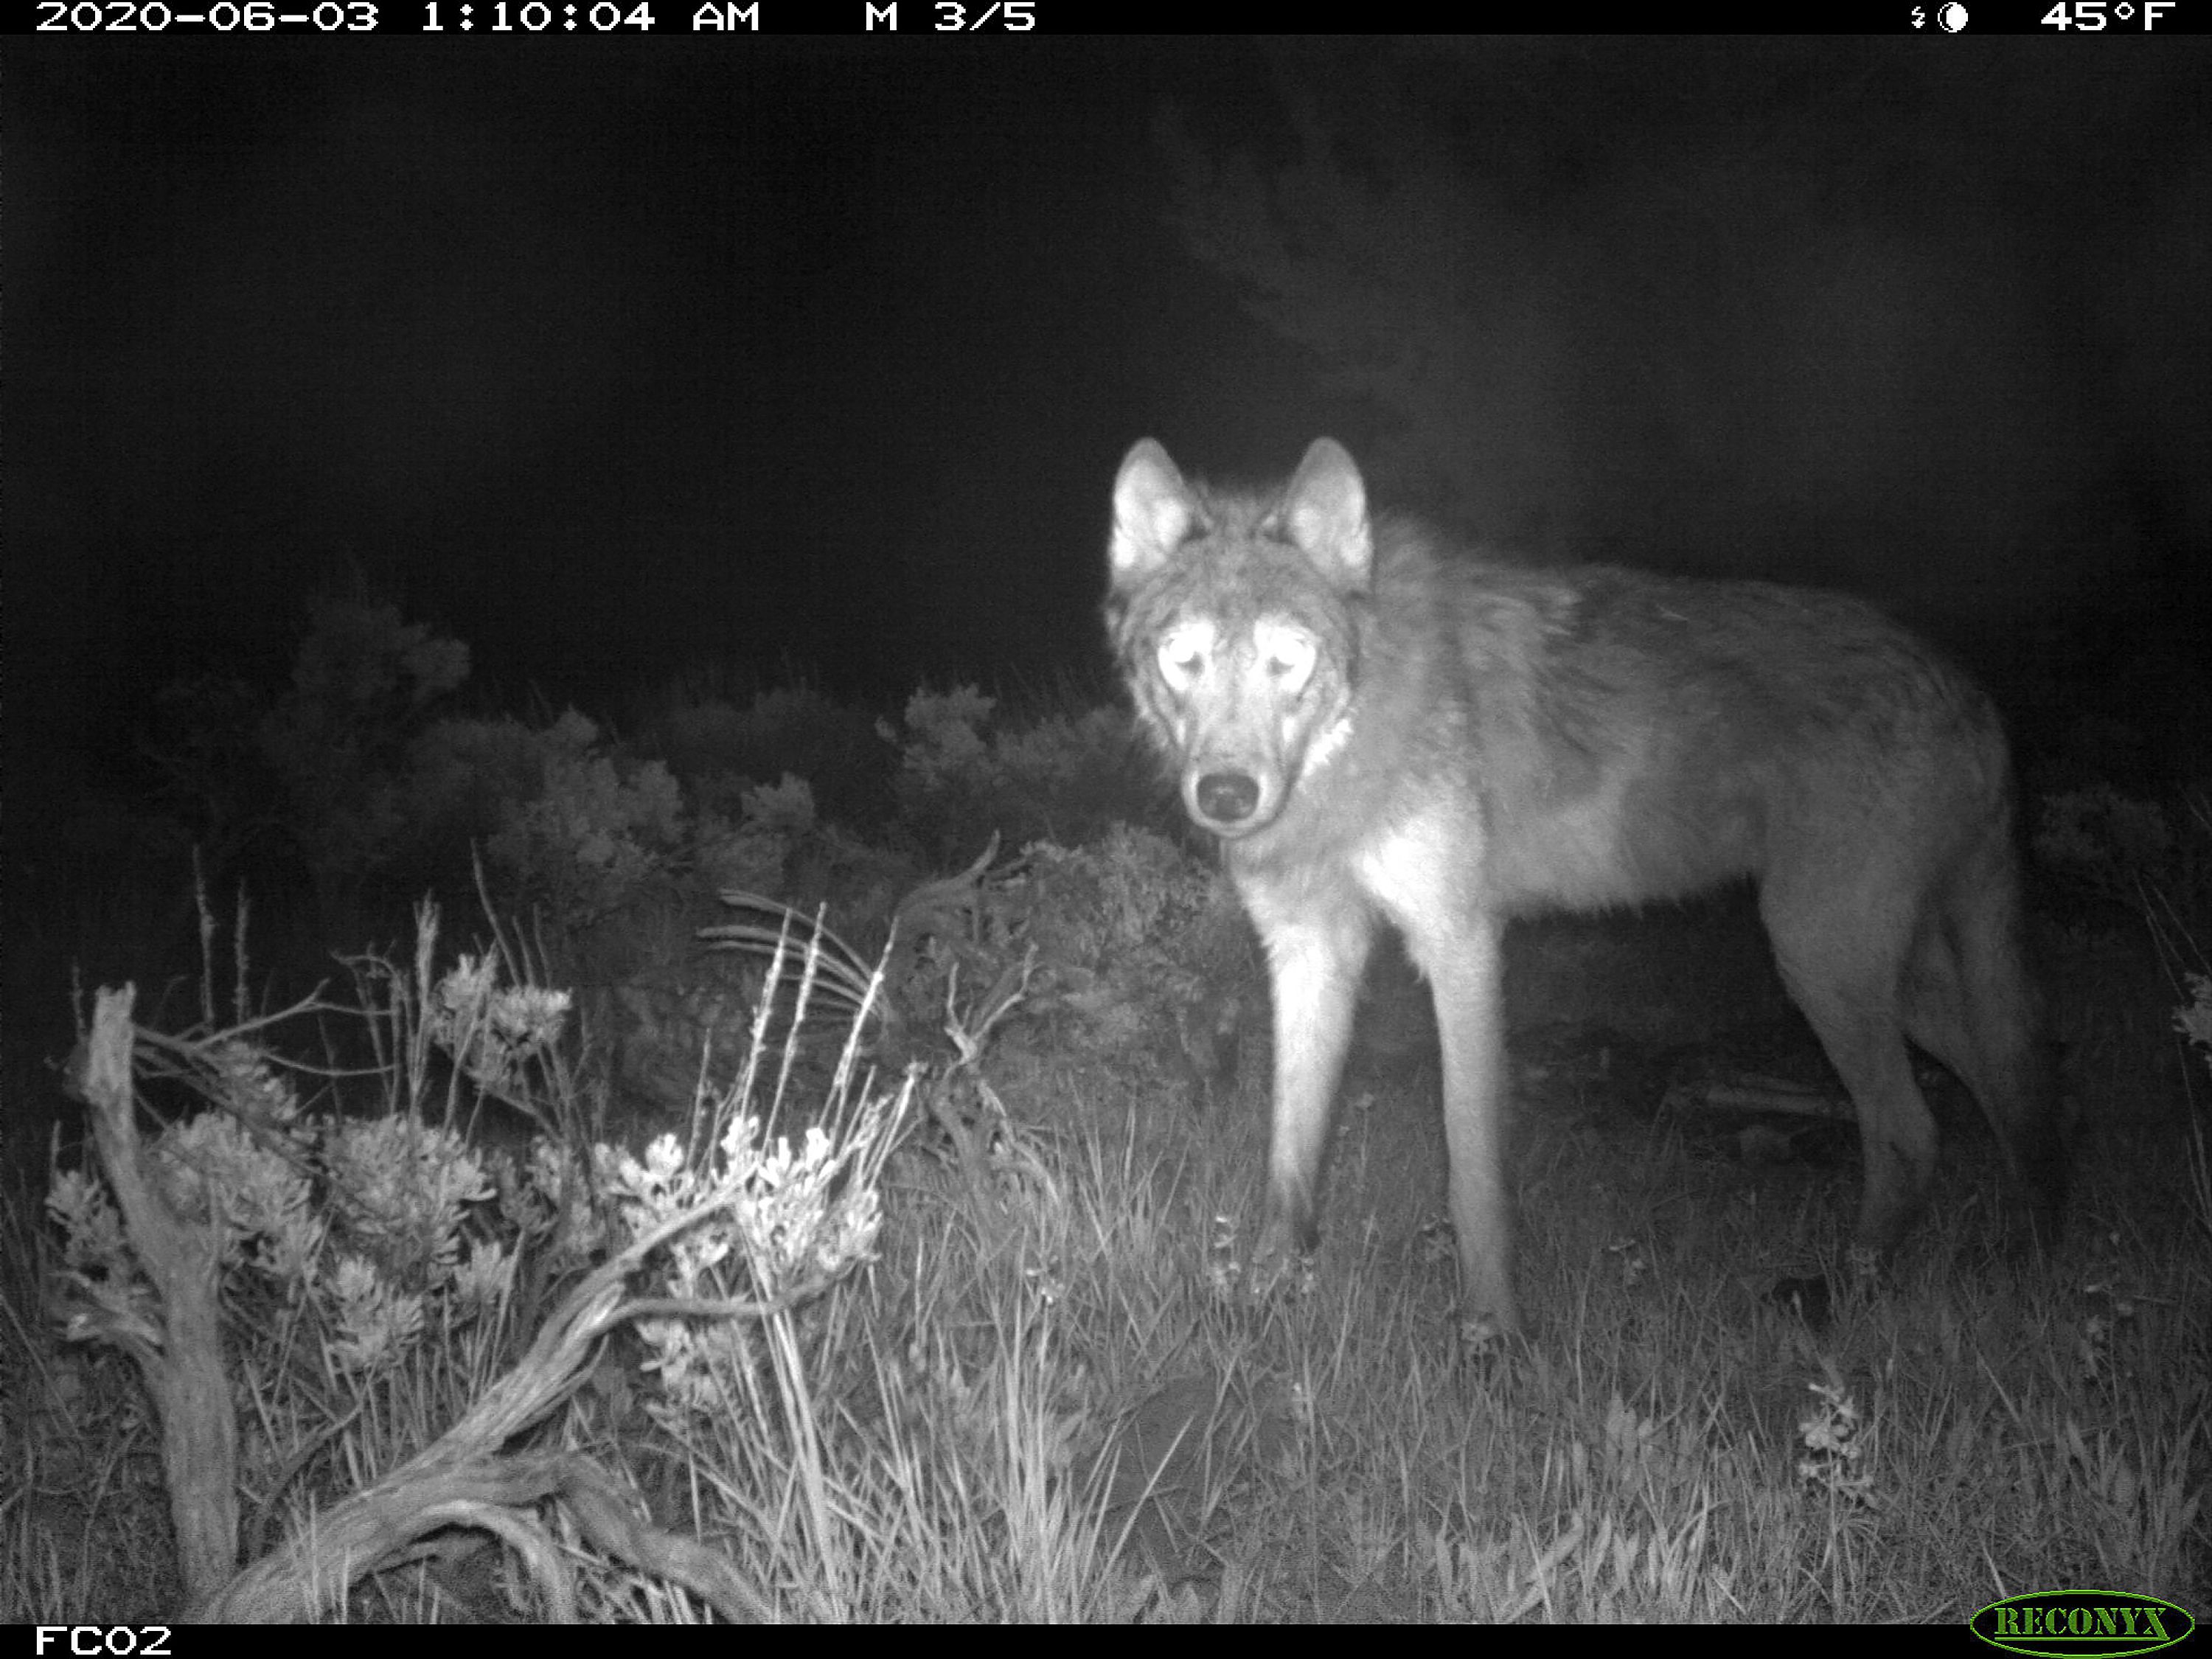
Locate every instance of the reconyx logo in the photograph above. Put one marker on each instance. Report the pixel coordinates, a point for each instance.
(2100, 1622)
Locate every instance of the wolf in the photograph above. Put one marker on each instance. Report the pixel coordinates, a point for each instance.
(1380, 729)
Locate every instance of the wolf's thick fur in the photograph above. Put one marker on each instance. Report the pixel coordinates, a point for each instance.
(1378, 731)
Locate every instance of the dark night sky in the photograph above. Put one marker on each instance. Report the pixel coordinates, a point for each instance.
(613, 357)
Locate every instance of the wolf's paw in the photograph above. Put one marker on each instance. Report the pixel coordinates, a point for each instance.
(1279, 1265)
(1279, 1272)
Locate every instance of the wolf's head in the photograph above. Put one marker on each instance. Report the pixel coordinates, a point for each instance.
(1236, 619)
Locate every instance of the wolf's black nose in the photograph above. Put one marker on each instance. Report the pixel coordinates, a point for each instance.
(1227, 797)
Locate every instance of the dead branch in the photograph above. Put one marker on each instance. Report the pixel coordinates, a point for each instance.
(1756, 1095)
(182, 1258)
(378, 1528)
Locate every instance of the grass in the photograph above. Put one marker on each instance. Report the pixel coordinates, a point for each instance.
(1054, 1396)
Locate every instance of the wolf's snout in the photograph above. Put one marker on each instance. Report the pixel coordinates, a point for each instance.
(1226, 797)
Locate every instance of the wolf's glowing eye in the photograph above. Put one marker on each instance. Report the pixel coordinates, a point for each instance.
(1183, 654)
(1288, 655)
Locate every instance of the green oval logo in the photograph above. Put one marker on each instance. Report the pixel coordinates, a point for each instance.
(2104, 1623)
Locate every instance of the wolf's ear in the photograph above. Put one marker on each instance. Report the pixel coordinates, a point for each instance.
(1152, 511)
(1325, 513)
